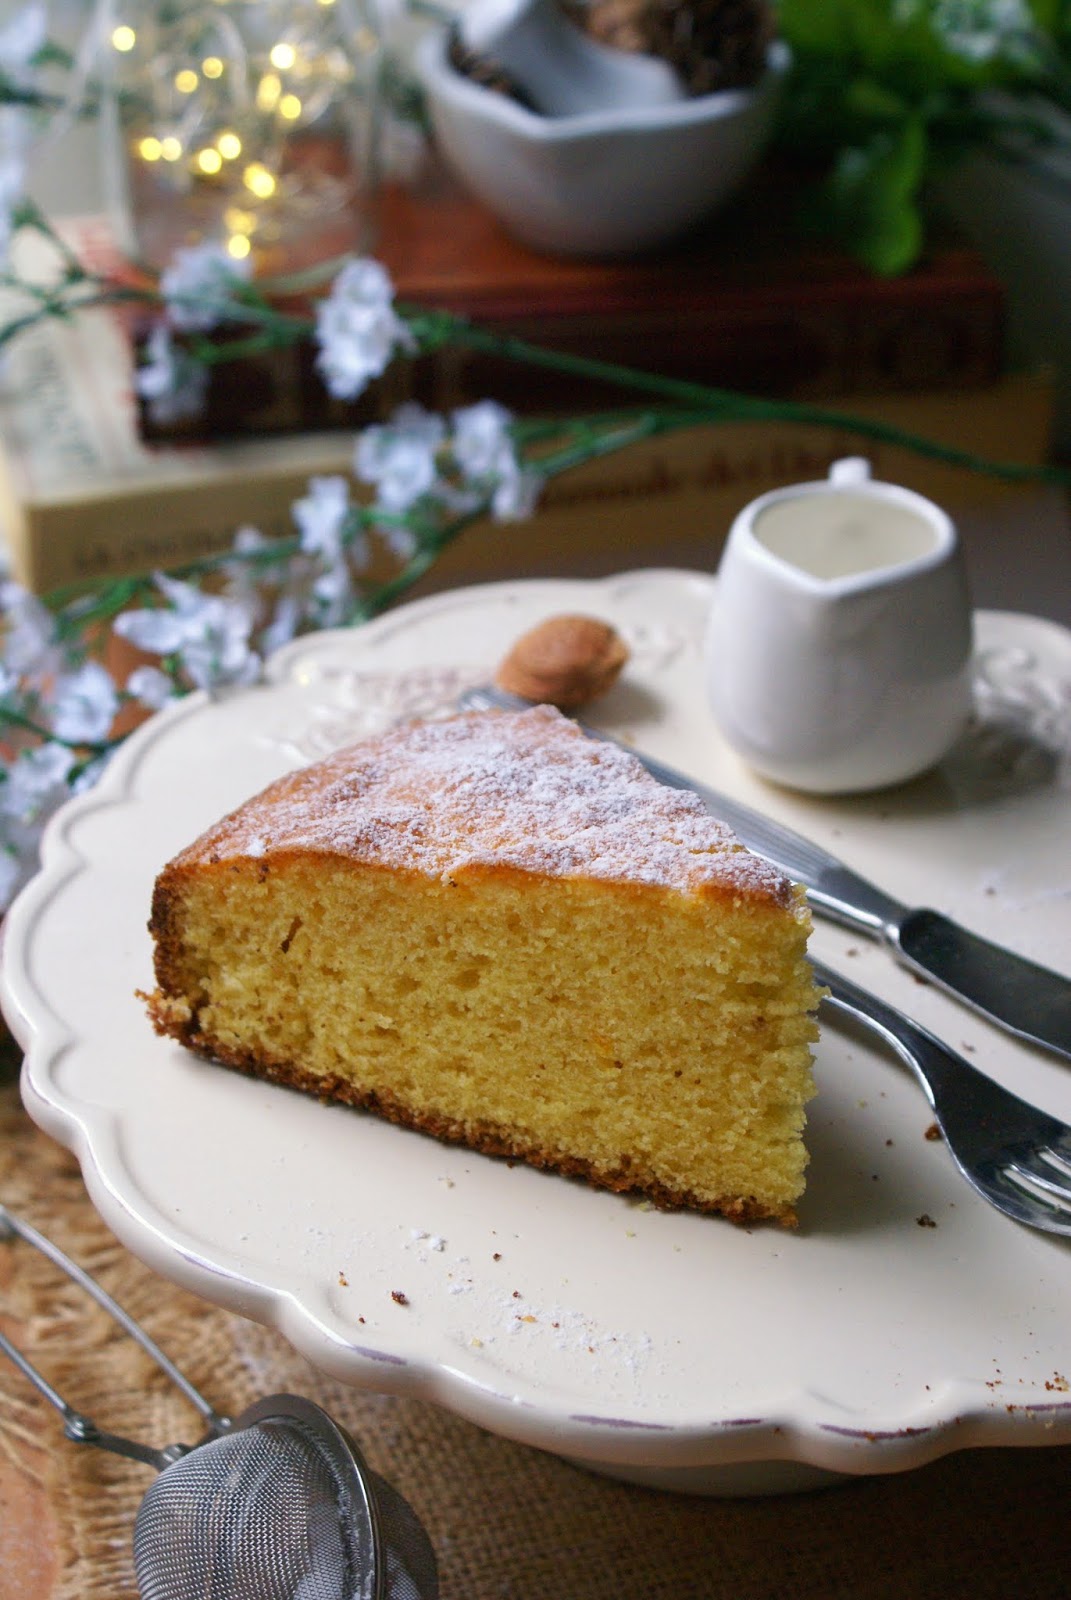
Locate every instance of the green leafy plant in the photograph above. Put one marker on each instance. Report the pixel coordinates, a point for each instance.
(886, 95)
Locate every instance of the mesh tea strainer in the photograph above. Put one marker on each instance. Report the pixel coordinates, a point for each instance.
(277, 1504)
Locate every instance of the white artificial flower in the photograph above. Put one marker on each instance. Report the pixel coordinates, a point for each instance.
(85, 703)
(480, 436)
(29, 637)
(243, 577)
(89, 774)
(248, 538)
(215, 645)
(21, 38)
(283, 625)
(401, 541)
(199, 285)
(13, 872)
(186, 599)
(321, 516)
(398, 457)
(151, 687)
(36, 782)
(160, 630)
(172, 382)
(333, 596)
(16, 135)
(516, 494)
(357, 328)
(220, 654)
(486, 455)
(278, 605)
(209, 633)
(20, 851)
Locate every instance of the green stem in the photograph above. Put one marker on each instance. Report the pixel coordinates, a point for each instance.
(63, 306)
(77, 610)
(550, 466)
(590, 445)
(388, 592)
(15, 719)
(724, 405)
(276, 336)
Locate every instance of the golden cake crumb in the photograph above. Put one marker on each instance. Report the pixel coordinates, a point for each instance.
(507, 935)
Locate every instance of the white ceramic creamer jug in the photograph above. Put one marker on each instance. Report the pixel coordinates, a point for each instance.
(839, 640)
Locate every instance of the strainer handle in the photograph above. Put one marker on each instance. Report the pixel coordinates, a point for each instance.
(76, 1426)
(81, 1428)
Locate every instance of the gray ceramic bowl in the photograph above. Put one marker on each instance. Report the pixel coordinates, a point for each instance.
(609, 182)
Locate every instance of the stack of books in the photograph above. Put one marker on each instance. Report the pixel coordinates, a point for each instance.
(87, 490)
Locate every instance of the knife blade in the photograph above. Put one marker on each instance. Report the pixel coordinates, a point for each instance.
(1017, 994)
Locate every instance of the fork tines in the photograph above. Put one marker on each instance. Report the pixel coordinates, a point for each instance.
(1044, 1173)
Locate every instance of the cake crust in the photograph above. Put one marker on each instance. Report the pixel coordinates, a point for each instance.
(494, 792)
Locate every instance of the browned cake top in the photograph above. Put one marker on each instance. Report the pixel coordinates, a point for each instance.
(523, 790)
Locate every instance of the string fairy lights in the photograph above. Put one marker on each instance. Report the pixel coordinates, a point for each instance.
(245, 123)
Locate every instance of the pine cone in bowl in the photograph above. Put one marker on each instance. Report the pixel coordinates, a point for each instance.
(713, 44)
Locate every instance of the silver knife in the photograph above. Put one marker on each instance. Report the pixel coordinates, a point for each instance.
(1028, 1000)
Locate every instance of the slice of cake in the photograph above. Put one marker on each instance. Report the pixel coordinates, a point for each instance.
(506, 934)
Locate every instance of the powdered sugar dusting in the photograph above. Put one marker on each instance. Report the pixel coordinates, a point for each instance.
(523, 790)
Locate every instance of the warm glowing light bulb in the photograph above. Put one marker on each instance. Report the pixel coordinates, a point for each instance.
(124, 38)
(229, 145)
(186, 81)
(171, 148)
(282, 56)
(150, 149)
(212, 67)
(290, 107)
(238, 247)
(268, 91)
(259, 180)
(209, 161)
(239, 221)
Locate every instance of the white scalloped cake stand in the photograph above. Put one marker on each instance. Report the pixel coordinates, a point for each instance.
(903, 1320)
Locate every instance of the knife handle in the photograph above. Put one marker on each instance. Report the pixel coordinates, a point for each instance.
(1019, 995)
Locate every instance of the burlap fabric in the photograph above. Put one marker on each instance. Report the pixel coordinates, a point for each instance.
(508, 1523)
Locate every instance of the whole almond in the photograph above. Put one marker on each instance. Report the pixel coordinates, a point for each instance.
(564, 661)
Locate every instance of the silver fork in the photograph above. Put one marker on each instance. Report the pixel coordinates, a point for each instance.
(1015, 1156)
